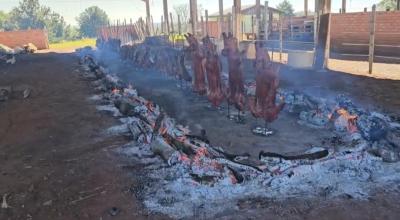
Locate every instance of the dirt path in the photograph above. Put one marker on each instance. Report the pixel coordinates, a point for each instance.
(55, 163)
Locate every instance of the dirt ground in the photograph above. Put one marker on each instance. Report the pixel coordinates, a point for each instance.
(56, 162)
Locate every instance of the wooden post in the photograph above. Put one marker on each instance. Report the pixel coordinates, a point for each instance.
(221, 17)
(206, 13)
(398, 5)
(165, 5)
(172, 23)
(237, 5)
(147, 16)
(162, 24)
(202, 25)
(234, 27)
(179, 25)
(266, 20)
(230, 26)
(316, 26)
(280, 37)
(152, 25)
(291, 28)
(372, 37)
(305, 8)
(258, 18)
(328, 43)
(252, 25)
(344, 6)
(193, 15)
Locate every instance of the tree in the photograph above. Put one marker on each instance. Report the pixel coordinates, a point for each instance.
(387, 4)
(90, 20)
(3, 19)
(183, 11)
(31, 15)
(286, 8)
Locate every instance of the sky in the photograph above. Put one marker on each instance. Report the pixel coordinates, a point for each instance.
(126, 9)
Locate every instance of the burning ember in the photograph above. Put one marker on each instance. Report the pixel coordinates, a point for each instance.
(191, 174)
(346, 121)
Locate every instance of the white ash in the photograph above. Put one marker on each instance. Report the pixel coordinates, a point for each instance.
(110, 109)
(350, 171)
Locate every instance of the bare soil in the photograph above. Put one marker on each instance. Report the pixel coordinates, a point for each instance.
(55, 161)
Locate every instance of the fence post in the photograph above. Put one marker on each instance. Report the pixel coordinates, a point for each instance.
(193, 16)
(172, 23)
(152, 25)
(256, 26)
(280, 37)
(221, 18)
(165, 5)
(202, 25)
(179, 25)
(206, 12)
(266, 20)
(372, 38)
(328, 43)
(230, 23)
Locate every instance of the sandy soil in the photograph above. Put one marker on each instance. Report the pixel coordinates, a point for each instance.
(360, 68)
(55, 163)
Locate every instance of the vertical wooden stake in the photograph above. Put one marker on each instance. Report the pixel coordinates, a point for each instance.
(237, 20)
(280, 37)
(372, 38)
(162, 24)
(179, 25)
(206, 13)
(172, 23)
(230, 23)
(202, 25)
(266, 20)
(165, 5)
(221, 18)
(257, 21)
(252, 25)
(152, 25)
(305, 8)
(344, 6)
(328, 43)
(193, 16)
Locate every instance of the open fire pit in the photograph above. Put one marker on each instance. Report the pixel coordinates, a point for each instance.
(189, 175)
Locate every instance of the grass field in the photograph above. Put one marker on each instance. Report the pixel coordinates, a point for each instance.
(69, 45)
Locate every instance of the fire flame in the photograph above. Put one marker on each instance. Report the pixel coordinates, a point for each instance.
(351, 120)
(115, 91)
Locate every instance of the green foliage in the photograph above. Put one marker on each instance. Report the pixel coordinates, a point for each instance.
(31, 15)
(90, 20)
(3, 18)
(286, 7)
(387, 4)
